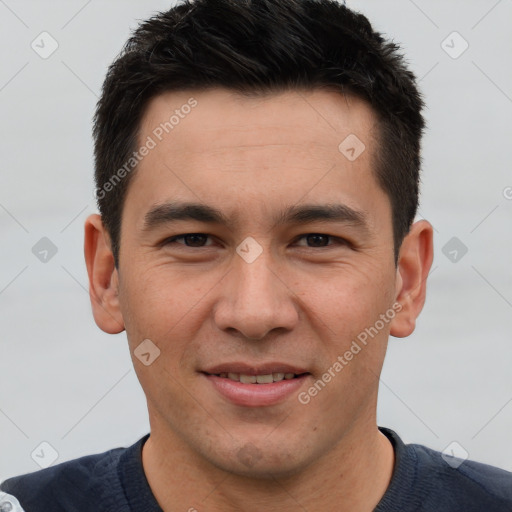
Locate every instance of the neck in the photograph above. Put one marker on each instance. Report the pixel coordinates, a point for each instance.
(353, 476)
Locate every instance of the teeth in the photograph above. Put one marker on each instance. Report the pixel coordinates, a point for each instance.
(264, 379)
(257, 379)
(247, 379)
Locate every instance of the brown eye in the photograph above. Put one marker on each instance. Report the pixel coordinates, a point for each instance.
(315, 240)
(189, 239)
(318, 240)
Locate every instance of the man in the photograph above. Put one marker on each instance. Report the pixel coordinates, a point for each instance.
(257, 170)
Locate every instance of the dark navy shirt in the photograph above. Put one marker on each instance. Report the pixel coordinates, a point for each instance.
(114, 481)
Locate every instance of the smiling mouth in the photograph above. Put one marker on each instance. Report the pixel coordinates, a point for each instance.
(258, 379)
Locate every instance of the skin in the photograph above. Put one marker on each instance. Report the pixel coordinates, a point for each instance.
(296, 303)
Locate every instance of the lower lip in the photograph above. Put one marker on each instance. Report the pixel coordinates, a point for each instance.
(256, 395)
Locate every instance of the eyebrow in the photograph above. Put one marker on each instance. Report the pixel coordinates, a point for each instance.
(165, 213)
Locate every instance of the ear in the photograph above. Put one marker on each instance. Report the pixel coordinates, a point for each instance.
(415, 260)
(103, 276)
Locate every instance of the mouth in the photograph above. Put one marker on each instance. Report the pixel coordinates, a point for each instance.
(256, 386)
(268, 378)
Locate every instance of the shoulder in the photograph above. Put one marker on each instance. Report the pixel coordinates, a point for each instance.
(428, 480)
(69, 485)
(465, 479)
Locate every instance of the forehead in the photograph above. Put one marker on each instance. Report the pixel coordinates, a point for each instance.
(224, 118)
(229, 150)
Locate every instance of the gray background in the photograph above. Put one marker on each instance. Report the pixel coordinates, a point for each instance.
(65, 382)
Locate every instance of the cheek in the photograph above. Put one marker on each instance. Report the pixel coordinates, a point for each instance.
(146, 306)
(154, 298)
(346, 301)
(166, 307)
(353, 340)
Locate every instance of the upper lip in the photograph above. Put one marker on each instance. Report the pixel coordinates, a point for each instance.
(254, 369)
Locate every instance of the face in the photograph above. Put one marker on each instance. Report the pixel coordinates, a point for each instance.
(283, 258)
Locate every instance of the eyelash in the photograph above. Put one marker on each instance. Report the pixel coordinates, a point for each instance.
(339, 241)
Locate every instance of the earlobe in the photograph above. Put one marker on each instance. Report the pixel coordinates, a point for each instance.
(103, 276)
(415, 260)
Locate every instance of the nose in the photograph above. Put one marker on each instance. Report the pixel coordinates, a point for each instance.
(255, 300)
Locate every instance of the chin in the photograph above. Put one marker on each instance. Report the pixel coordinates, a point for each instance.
(261, 462)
